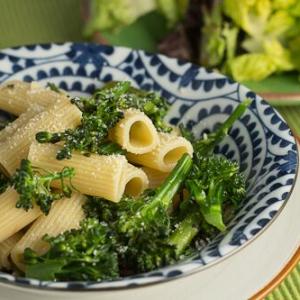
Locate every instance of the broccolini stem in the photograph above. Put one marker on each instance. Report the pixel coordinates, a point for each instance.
(170, 186)
(237, 113)
(185, 232)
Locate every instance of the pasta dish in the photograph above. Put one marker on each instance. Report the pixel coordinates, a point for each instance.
(100, 187)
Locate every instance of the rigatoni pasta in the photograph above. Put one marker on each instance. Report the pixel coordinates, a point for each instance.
(5, 249)
(135, 132)
(96, 175)
(133, 181)
(13, 219)
(65, 214)
(165, 156)
(20, 122)
(17, 96)
(57, 117)
(155, 177)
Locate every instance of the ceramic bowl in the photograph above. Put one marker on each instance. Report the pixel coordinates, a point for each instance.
(261, 142)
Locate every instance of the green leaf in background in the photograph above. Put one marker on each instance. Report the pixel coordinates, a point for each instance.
(251, 66)
(112, 15)
(284, 83)
(144, 33)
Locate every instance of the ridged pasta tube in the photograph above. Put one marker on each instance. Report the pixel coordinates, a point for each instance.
(64, 215)
(13, 219)
(165, 156)
(17, 96)
(19, 123)
(155, 177)
(135, 132)
(133, 181)
(5, 249)
(96, 175)
(57, 117)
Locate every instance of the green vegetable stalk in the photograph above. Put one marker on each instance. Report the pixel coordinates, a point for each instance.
(34, 186)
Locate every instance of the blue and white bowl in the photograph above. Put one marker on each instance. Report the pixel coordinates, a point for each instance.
(261, 142)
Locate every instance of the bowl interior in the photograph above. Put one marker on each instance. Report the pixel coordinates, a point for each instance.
(260, 141)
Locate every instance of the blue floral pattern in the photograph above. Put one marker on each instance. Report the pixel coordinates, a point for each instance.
(260, 141)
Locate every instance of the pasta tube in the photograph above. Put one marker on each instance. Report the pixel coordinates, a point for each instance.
(165, 156)
(17, 96)
(17, 125)
(96, 175)
(155, 177)
(135, 132)
(58, 117)
(64, 215)
(13, 219)
(134, 181)
(5, 249)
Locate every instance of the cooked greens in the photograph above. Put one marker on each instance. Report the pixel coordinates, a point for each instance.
(154, 230)
(33, 185)
(87, 253)
(101, 112)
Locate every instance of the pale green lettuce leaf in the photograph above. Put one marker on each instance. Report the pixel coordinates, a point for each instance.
(250, 15)
(111, 15)
(248, 67)
(280, 55)
(283, 4)
(279, 23)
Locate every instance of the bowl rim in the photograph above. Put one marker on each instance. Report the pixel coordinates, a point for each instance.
(88, 289)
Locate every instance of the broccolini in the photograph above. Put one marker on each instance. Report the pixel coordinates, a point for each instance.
(33, 185)
(100, 113)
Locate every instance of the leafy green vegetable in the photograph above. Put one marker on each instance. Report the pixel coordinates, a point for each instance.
(79, 254)
(100, 113)
(260, 41)
(33, 185)
(132, 234)
(145, 228)
(250, 15)
(256, 66)
(114, 15)
(213, 181)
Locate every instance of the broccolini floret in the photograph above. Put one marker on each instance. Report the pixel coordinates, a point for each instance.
(213, 180)
(87, 253)
(34, 186)
(100, 113)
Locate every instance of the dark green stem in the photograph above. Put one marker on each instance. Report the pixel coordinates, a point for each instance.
(237, 113)
(170, 186)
